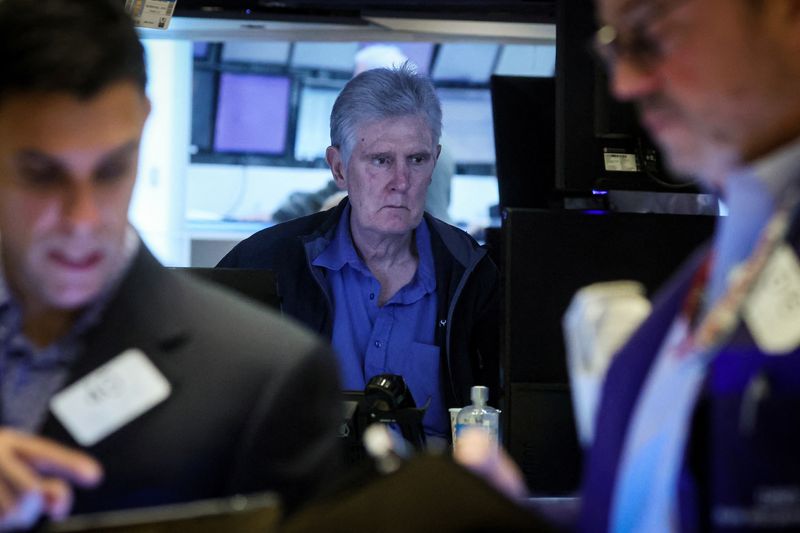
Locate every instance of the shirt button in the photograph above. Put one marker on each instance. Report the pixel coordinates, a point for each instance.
(378, 344)
(372, 296)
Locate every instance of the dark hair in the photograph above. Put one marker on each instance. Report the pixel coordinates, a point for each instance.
(74, 46)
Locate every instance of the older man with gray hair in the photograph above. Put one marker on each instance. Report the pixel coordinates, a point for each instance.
(395, 289)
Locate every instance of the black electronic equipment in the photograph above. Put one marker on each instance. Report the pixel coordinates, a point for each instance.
(547, 257)
(257, 284)
(523, 110)
(254, 512)
(600, 145)
(386, 399)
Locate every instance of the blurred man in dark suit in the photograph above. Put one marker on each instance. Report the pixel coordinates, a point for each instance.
(115, 373)
(699, 422)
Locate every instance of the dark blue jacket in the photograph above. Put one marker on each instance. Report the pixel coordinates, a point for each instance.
(735, 476)
(467, 286)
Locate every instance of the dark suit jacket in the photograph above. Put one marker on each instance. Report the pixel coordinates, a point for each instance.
(729, 471)
(254, 403)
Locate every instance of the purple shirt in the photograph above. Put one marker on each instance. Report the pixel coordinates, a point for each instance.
(396, 338)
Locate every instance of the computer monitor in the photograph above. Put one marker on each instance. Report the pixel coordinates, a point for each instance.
(324, 55)
(313, 120)
(600, 145)
(464, 62)
(467, 125)
(204, 96)
(252, 113)
(258, 285)
(259, 52)
(523, 110)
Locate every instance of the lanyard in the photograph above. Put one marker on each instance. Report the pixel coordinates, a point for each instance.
(721, 320)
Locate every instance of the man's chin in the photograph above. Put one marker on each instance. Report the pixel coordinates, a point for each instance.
(400, 223)
(70, 292)
(704, 164)
(73, 298)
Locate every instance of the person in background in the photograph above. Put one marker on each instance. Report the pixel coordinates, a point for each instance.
(395, 289)
(117, 376)
(699, 422)
(437, 199)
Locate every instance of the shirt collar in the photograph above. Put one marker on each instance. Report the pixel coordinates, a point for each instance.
(780, 170)
(341, 251)
(753, 192)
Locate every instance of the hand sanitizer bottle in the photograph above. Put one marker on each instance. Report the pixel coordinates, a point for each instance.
(479, 415)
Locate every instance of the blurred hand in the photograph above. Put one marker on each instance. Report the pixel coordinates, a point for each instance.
(36, 476)
(481, 454)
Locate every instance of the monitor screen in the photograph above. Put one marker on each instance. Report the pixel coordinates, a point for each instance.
(600, 144)
(467, 62)
(313, 122)
(273, 52)
(329, 56)
(527, 60)
(204, 91)
(467, 124)
(525, 139)
(200, 49)
(252, 113)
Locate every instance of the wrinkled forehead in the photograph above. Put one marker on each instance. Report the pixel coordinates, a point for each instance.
(393, 127)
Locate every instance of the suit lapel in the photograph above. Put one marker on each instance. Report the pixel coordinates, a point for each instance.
(621, 390)
(144, 313)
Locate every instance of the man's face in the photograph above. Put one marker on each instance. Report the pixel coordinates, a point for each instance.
(715, 91)
(67, 170)
(388, 174)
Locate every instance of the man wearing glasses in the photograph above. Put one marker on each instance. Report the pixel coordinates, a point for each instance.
(699, 423)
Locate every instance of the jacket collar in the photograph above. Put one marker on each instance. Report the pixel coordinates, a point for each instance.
(143, 313)
(460, 247)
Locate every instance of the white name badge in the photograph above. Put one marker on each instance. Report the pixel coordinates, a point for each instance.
(772, 311)
(151, 13)
(110, 396)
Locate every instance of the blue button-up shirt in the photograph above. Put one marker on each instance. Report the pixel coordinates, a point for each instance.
(396, 338)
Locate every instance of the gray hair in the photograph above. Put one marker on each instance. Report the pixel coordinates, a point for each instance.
(379, 94)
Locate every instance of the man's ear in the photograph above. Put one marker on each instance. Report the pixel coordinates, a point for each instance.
(438, 151)
(334, 158)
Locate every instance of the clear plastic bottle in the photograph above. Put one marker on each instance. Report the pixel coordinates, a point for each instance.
(479, 415)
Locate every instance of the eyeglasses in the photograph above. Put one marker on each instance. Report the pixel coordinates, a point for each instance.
(639, 44)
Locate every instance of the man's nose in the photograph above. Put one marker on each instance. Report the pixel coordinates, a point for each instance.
(630, 81)
(401, 178)
(81, 205)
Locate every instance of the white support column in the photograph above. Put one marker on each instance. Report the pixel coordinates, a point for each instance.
(158, 206)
